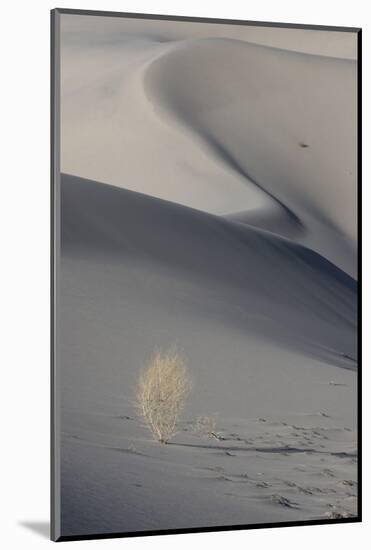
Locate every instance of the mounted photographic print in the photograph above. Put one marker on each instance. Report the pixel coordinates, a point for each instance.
(205, 194)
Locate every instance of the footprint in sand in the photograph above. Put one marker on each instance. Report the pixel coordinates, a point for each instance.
(348, 482)
(262, 484)
(327, 472)
(290, 483)
(283, 501)
(338, 515)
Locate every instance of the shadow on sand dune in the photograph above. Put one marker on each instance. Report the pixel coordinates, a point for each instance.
(272, 450)
(236, 274)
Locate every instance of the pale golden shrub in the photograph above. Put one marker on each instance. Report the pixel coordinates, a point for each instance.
(162, 390)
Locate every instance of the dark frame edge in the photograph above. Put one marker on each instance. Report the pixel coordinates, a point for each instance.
(54, 144)
(309, 523)
(52, 109)
(195, 19)
(359, 268)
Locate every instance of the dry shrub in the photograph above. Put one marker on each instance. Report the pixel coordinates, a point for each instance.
(206, 425)
(162, 390)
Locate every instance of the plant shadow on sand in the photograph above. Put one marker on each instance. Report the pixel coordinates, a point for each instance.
(283, 449)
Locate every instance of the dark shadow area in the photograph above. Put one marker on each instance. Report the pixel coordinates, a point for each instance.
(278, 450)
(249, 449)
(42, 528)
(189, 243)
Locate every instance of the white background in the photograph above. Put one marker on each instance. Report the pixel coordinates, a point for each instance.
(24, 291)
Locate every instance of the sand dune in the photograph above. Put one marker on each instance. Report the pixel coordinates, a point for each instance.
(266, 126)
(87, 31)
(278, 220)
(208, 202)
(264, 324)
(310, 298)
(224, 123)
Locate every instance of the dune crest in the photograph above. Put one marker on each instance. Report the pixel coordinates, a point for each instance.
(238, 102)
(250, 140)
(265, 283)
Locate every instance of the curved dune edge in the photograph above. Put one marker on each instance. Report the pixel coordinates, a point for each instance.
(272, 285)
(224, 127)
(264, 324)
(206, 110)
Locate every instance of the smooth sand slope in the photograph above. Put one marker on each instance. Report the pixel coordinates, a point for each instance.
(268, 329)
(225, 126)
(85, 31)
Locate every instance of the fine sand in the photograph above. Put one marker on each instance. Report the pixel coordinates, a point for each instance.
(221, 125)
(208, 202)
(268, 329)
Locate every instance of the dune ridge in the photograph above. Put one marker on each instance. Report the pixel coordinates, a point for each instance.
(251, 140)
(237, 125)
(310, 298)
(264, 324)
